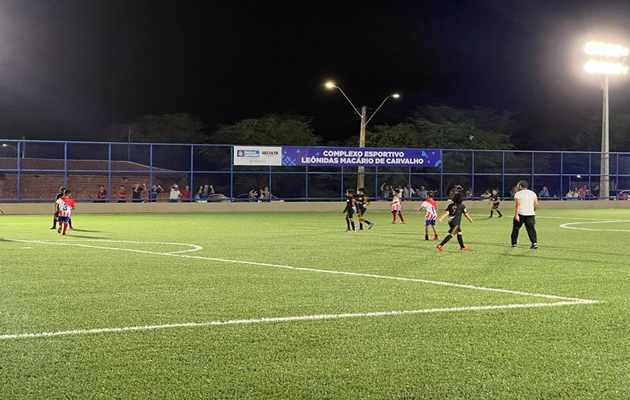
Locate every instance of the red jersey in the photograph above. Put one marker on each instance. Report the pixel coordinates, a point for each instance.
(65, 206)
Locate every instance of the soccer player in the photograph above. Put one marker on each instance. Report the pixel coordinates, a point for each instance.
(349, 210)
(56, 214)
(431, 207)
(495, 200)
(455, 210)
(65, 205)
(362, 202)
(397, 208)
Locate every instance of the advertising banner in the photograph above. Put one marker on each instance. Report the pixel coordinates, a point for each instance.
(257, 155)
(360, 156)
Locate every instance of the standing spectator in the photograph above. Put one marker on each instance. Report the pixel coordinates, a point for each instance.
(525, 205)
(396, 208)
(406, 193)
(174, 194)
(544, 193)
(136, 194)
(385, 191)
(495, 200)
(101, 195)
(186, 194)
(154, 191)
(122, 194)
(455, 210)
(205, 192)
(422, 193)
(431, 207)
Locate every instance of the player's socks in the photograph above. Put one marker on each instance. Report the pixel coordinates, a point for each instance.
(460, 240)
(352, 222)
(445, 240)
(65, 228)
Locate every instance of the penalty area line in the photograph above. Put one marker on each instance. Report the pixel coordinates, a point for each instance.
(317, 317)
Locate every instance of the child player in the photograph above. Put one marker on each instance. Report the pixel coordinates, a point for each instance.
(495, 200)
(431, 207)
(455, 210)
(397, 208)
(65, 205)
(349, 210)
(362, 202)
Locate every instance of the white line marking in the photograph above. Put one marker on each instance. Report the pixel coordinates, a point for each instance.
(285, 319)
(569, 225)
(564, 300)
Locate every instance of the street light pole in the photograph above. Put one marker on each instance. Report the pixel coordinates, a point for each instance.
(364, 121)
(608, 60)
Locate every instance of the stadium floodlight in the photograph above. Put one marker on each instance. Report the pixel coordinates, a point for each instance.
(364, 121)
(608, 59)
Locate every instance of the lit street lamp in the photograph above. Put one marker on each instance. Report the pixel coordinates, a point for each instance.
(607, 59)
(364, 121)
(15, 148)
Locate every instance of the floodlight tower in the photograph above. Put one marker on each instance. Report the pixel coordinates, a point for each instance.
(608, 59)
(364, 121)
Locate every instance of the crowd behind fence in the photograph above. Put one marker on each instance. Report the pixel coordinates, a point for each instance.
(33, 171)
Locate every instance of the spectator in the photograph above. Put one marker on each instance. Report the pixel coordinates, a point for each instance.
(154, 191)
(186, 194)
(485, 195)
(265, 194)
(174, 194)
(101, 195)
(385, 191)
(525, 205)
(595, 191)
(205, 192)
(583, 193)
(544, 193)
(122, 194)
(422, 193)
(252, 195)
(136, 194)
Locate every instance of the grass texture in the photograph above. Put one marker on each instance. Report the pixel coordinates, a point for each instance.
(289, 306)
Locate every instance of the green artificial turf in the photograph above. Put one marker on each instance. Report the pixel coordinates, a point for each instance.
(290, 306)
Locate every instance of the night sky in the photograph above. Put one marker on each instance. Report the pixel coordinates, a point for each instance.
(70, 68)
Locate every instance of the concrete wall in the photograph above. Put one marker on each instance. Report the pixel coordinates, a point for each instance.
(279, 206)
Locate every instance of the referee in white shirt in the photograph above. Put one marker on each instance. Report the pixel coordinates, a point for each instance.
(525, 205)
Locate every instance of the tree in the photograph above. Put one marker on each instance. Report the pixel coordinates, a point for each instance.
(272, 129)
(165, 128)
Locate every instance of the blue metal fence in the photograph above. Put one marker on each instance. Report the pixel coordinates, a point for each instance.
(32, 171)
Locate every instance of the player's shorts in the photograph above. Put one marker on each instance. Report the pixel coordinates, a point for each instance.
(495, 206)
(63, 219)
(429, 222)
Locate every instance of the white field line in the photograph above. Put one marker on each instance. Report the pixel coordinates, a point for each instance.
(562, 301)
(570, 225)
(285, 319)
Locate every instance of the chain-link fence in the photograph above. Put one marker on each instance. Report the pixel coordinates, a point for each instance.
(33, 171)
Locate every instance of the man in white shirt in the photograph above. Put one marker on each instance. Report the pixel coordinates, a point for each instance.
(525, 205)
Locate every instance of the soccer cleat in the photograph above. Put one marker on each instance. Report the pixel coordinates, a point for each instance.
(426, 237)
(64, 233)
(534, 246)
(436, 237)
(59, 230)
(370, 225)
(465, 248)
(360, 229)
(500, 215)
(514, 246)
(53, 227)
(439, 247)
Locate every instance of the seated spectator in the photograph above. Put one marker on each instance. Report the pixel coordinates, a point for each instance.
(422, 193)
(544, 193)
(253, 194)
(122, 194)
(136, 194)
(265, 194)
(583, 193)
(101, 195)
(185, 194)
(485, 195)
(153, 193)
(174, 194)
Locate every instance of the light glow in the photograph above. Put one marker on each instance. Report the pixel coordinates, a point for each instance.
(605, 67)
(330, 85)
(605, 49)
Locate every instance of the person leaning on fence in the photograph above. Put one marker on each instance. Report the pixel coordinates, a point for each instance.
(174, 194)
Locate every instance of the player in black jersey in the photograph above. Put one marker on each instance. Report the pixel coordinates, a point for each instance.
(350, 210)
(495, 200)
(455, 210)
(362, 202)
